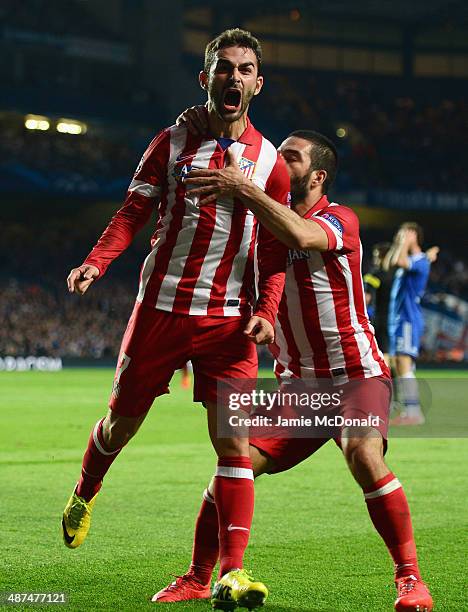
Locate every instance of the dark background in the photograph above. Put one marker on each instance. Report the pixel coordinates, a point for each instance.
(387, 81)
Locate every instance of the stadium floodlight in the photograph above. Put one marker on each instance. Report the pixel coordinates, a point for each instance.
(36, 122)
(71, 126)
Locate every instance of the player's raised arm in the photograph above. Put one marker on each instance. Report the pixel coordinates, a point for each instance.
(142, 195)
(398, 255)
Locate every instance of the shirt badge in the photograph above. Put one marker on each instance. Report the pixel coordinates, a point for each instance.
(247, 167)
(180, 172)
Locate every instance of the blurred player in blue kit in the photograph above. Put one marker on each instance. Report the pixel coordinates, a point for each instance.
(405, 318)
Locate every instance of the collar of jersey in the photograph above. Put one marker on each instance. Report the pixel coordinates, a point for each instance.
(317, 207)
(248, 135)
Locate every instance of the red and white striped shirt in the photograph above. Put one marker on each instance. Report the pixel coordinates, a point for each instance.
(322, 328)
(202, 258)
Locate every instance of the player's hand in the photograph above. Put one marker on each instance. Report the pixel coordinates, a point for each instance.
(432, 253)
(411, 237)
(401, 236)
(209, 185)
(195, 118)
(81, 278)
(259, 330)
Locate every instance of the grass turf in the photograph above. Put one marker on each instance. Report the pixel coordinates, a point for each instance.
(312, 541)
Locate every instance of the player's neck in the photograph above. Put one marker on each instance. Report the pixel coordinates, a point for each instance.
(310, 201)
(223, 129)
(415, 249)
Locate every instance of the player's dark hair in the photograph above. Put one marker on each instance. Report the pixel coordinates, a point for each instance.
(235, 37)
(382, 248)
(323, 155)
(412, 225)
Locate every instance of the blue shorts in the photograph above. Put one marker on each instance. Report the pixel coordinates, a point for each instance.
(405, 338)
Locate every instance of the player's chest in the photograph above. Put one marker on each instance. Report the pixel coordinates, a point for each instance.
(209, 155)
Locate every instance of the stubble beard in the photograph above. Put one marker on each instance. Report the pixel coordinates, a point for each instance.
(299, 188)
(216, 102)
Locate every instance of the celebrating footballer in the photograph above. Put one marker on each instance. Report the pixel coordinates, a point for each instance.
(221, 195)
(322, 331)
(196, 296)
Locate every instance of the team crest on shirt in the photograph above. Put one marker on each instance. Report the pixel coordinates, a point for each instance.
(247, 167)
(180, 172)
(294, 255)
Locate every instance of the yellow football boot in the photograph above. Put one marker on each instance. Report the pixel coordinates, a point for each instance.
(238, 589)
(76, 520)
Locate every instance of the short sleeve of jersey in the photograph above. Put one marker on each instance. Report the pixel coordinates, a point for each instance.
(419, 264)
(341, 226)
(278, 184)
(150, 174)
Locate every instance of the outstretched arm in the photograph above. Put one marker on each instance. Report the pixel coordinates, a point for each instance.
(142, 195)
(398, 254)
(80, 279)
(114, 240)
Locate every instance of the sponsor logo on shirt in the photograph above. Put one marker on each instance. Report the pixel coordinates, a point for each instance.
(294, 255)
(334, 221)
(183, 158)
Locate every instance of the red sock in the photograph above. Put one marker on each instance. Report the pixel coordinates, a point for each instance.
(206, 543)
(388, 508)
(96, 461)
(234, 496)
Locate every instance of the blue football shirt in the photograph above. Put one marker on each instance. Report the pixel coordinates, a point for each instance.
(407, 290)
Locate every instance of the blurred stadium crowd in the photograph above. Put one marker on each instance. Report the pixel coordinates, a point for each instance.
(42, 320)
(39, 317)
(59, 189)
(403, 147)
(52, 155)
(384, 142)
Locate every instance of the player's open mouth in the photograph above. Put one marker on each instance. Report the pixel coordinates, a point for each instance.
(232, 99)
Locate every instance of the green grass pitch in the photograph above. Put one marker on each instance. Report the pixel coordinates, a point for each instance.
(312, 541)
